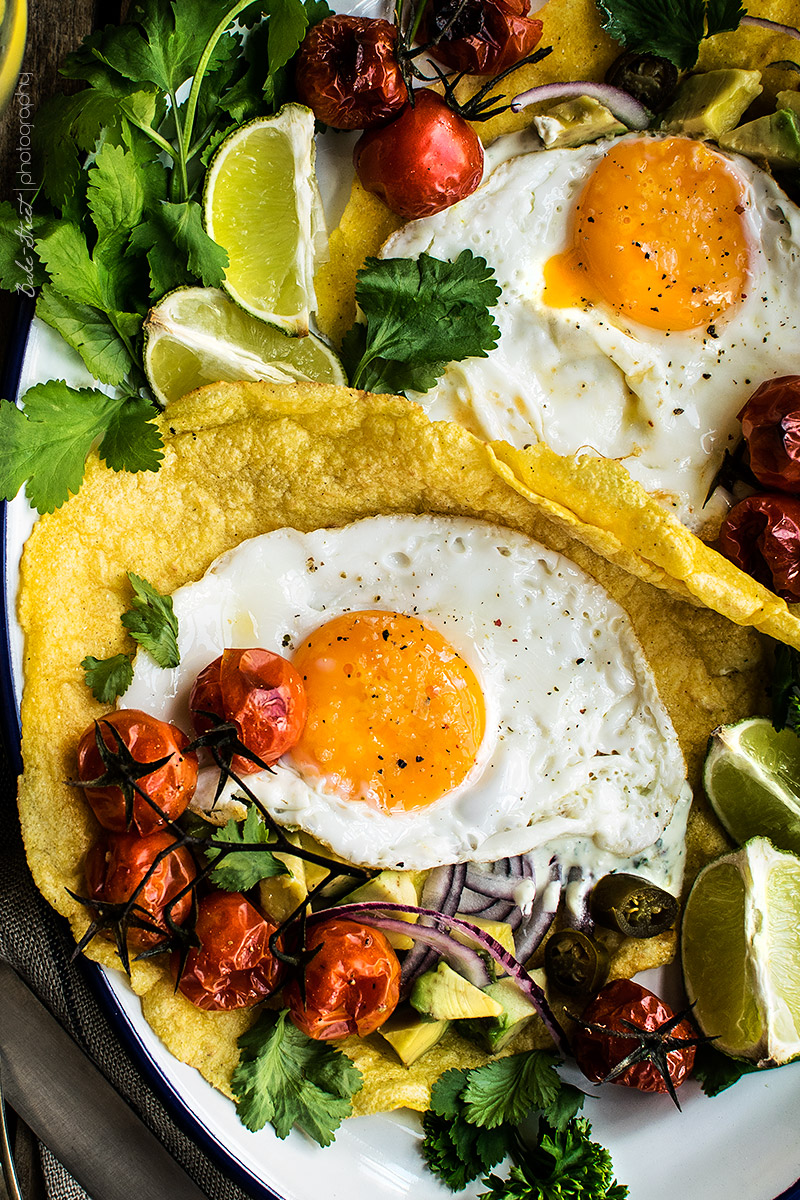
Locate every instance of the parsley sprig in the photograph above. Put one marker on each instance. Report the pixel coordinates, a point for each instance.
(150, 621)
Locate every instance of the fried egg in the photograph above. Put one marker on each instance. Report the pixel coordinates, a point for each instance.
(649, 284)
(472, 695)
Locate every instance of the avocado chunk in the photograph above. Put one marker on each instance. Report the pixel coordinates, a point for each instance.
(410, 1034)
(710, 104)
(494, 1033)
(576, 122)
(447, 996)
(499, 930)
(775, 138)
(390, 887)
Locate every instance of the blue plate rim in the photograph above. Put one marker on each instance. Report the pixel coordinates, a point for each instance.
(99, 984)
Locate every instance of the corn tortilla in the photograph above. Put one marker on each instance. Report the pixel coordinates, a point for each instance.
(243, 459)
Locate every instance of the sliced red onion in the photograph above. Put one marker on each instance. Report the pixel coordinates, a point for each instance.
(474, 904)
(625, 107)
(501, 910)
(441, 894)
(765, 23)
(374, 911)
(542, 915)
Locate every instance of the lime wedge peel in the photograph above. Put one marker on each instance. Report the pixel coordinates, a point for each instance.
(261, 202)
(752, 780)
(740, 945)
(196, 336)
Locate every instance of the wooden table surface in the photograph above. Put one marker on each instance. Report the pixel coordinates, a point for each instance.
(54, 28)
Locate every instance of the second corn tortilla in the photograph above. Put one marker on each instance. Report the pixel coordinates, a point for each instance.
(243, 459)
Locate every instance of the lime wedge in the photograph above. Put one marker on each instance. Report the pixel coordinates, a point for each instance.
(740, 944)
(196, 336)
(752, 778)
(261, 203)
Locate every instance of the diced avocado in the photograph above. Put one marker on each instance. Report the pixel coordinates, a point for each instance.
(775, 138)
(576, 122)
(394, 887)
(447, 996)
(499, 930)
(710, 104)
(410, 1034)
(789, 101)
(494, 1033)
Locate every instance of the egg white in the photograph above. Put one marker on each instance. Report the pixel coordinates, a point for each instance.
(578, 743)
(665, 404)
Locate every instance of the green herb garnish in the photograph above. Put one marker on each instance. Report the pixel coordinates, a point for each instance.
(241, 870)
(473, 1122)
(671, 29)
(285, 1078)
(420, 314)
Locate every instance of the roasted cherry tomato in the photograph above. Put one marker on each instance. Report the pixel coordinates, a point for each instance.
(118, 863)
(481, 37)
(422, 162)
(234, 966)
(261, 693)
(761, 534)
(771, 428)
(352, 983)
(348, 74)
(117, 803)
(660, 1047)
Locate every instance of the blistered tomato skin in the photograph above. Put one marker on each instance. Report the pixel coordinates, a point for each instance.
(117, 864)
(348, 74)
(261, 693)
(596, 1053)
(761, 535)
(771, 428)
(422, 162)
(234, 966)
(486, 37)
(170, 787)
(352, 984)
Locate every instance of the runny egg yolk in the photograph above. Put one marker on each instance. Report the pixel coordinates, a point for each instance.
(658, 236)
(395, 714)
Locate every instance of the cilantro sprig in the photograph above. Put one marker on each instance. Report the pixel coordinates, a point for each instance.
(285, 1078)
(419, 315)
(671, 29)
(240, 870)
(151, 621)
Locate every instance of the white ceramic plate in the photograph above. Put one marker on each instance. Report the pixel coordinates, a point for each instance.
(743, 1145)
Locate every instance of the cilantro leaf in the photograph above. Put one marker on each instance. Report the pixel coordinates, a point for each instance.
(672, 29)
(241, 870)
(505, 1091)
(566, 1105)
(286, 1078)
(560, 1165)
(456, 1151)
(20, 268)
(178, 248)
(107, 677)
(65, 126)
(115, 193)
(47, 441)
(132, 442)
(88, 331)
(715, 1071)
(151, 622)
(420, 314)
(287, 26)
